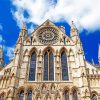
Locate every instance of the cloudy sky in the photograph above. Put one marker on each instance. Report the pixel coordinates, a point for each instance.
(84, 13)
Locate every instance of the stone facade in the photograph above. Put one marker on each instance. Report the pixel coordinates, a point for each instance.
(83, 77)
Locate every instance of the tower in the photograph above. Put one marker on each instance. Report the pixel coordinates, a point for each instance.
(74, 33)
(22, 34)
(17, 61)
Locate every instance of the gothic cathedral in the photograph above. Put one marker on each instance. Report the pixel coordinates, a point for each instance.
(49, 65)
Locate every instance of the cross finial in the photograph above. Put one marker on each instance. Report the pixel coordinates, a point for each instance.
(24, 26)
(73, 25)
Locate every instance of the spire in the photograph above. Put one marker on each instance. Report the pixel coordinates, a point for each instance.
(73, 26)
(99, 54)
(74, 33)
(23, 33)
(24, 27)
(93, 61)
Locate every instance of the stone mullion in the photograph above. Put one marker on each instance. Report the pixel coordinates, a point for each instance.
(26, 67)
(58, 69)
(54, 68)
(6, 82)
(39, 68)
(70, 64)
(25, 94)
(79, 96)
(1, 83)
(62, 95)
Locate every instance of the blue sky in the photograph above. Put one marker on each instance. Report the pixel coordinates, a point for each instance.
(86, 16)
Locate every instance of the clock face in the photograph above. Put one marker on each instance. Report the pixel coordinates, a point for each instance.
(48, 35)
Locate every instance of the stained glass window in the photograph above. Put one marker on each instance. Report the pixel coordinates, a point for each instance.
(64, 66)
(30, 95)
(75, 95)
(51, 61)
(48, 66)
(94, 97)
(21, 95)
(66, 95)
(32, 67)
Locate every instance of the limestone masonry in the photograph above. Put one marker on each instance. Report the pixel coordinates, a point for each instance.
(49, 65)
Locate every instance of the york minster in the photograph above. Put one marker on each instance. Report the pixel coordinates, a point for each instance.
(49, 65)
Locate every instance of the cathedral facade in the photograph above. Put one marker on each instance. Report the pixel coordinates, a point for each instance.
(49, 65)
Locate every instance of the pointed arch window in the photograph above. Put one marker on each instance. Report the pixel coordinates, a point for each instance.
(2, 97)
(75, 97)
(64, 66)
(48, 66)
(21, 95)
(66, 95)
(32, 67)
(94, 97)
(30, 95)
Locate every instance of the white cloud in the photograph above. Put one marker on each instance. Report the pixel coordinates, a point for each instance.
(30, 30)
(10, 52)
(85, 13)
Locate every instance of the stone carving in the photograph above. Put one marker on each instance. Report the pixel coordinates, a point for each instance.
(48, 35)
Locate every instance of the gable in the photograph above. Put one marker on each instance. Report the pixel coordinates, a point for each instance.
(48, 34)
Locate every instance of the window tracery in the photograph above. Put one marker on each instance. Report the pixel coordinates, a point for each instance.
(66, 95)
(64, 66)
(94, 97)
(48, 35)
(75, 97)
(32, 67)
(2, 97)
(21, 95)
(48, 66)
(30, 95)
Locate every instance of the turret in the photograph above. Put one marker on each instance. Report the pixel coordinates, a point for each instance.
(99, 55)
(23, 34)
(74, 33)
(1, 58)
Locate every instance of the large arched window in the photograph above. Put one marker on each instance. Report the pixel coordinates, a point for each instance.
(48, 66)
(94, 97)
(75, 97)
(64, 66)
(21, 95)
(29, 95)
(32, 67)
(66, 95)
